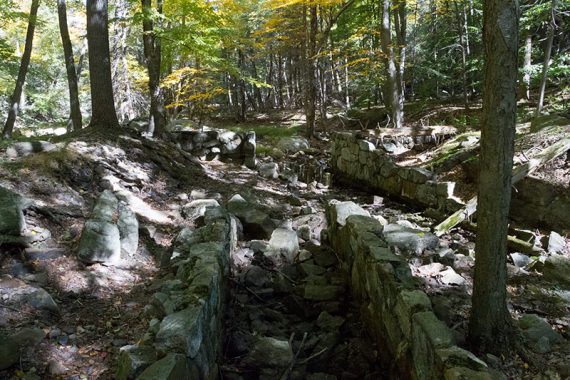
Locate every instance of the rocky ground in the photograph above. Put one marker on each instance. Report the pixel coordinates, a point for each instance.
(66, 318)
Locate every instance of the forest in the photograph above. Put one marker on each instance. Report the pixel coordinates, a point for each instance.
(284, 189)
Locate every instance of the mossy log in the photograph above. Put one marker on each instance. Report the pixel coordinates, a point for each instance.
(519, 173)
(513, 243)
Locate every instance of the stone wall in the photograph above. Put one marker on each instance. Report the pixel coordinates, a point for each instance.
(415, 343)
(186, 326)
(212, 143)
(357, 160)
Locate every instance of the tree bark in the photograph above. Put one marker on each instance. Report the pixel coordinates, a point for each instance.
(24, 64)
(153, 56)
(490, 327)
(75, 120)
(102, 99)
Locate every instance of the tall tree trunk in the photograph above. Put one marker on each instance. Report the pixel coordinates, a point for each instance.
(75, 120)
(309, 63)
(120, 66)
(391, 93)
(153, 56)
(400, 26)
(279, 82)
(546, 64)
(490, 323)
(102, 99)
(464, 48)
(24, 64)
(527, 64)
(241, 88)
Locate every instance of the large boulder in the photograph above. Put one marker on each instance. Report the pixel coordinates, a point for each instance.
(182, 331)
(557, 268)
(11, 347)
(256, 223)
(270, 352)
(13, 290)
(409, 239)
(269, 170)
(111, 235)
(231, 143)
(133, 360)
(340, 211)
(12, 205)
(283, 245)
(538, 332)
(171, 367)
(293, 144)
(197, 207)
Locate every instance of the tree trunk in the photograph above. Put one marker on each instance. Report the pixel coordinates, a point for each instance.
(102, 100)
(15, 100)
(546, 64)
(75, 122)
(391, 93)
(153, 56)
(490, 327)
(120, 67)
(527, 64)
(309, 59)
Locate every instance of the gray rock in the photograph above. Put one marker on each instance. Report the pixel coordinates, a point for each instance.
(257, 277)
(133, 360)
(445, 256)
(128, 231)
(17, 291)
(258, 246)
(538, 332)
(293, 144)
(409, 239)
(342, 210)
(182, 331)
(520, 260)
(40, 299)
(249, 150)
(269, 170)
(100, 242)
(197, 208)
(449, 277)
(12, 346)
(56, 368)
(112, 232)
(304, 232)
(557, 268)
(556, 243)
(327, 322)
(270, 352)
(12, 222)
(171, 367)
(289, 176)
(255, 222)
(283, 243)
(106, 208)
(322, 292)
(25, 148)
(231, 142)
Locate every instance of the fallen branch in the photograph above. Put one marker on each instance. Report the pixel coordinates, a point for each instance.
(287, 373)
(519, 173)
